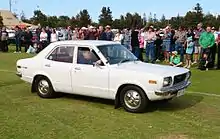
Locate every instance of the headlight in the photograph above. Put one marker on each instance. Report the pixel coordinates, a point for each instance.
(188, 75)
(167, 81)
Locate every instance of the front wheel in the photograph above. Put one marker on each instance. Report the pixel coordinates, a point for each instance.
(133, 99)
(44, 88)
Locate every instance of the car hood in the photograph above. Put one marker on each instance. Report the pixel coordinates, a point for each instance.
(162, 70)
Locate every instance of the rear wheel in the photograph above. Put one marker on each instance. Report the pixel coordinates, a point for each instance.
(44, 88)
(133, 99)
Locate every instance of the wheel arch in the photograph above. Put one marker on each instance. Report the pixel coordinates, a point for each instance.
(117, 96)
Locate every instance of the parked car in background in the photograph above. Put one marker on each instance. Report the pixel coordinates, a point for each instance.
(101, 69)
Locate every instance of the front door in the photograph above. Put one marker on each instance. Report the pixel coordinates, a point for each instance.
(88, 79)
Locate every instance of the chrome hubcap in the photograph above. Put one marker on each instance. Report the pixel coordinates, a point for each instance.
(43, 87)
(132, 99)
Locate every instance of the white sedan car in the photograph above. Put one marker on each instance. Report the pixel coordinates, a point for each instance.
(101, 69)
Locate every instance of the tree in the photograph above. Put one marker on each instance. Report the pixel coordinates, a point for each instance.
(52, 21)
(155, 18)
(163, 22)
(83, 18)
(137, 20)
(128, 21)
(63, 21)
(198, 12)
(198, 8)
(105, 17)
(150, 19)
(144, 19)
(210, 20)
(23, 18)
(39, 18)
(1, 21)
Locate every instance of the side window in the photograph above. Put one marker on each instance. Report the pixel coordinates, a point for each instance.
(62, 54)
(86, 56)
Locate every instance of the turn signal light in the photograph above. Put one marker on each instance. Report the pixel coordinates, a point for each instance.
(152, 82)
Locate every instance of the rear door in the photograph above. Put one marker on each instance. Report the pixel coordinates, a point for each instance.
(58, 66)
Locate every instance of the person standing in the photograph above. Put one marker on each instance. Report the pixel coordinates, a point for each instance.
(166, 43)
(135, 43)
(158, 44)
(150, 37)
(48, 35)
(180, 37)
(102, 34)
(4, 40)
(118, 37)
(18, 37)
(28, 39)
(189, 52)
(109, 33)
(213, 49)
(218, 45)
(43, 38)
(197, 48)
(206, 41)
(127, 39)
(69, 33)
(54, 36)
(141, 43)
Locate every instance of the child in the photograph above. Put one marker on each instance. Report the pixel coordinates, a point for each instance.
(189, 52)
(175, 59)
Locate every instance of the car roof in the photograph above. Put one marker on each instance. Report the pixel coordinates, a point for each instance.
(85, 42)
(92, 43)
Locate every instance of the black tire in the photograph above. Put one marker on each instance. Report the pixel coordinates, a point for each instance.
(137, 92)
(47, 94)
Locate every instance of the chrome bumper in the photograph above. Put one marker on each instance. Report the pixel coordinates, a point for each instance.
(174, 89)
(18, 74)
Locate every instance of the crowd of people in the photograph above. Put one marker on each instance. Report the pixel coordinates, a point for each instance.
(176, 47)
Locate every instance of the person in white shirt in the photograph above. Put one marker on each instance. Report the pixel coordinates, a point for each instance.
(54, 36)
(43, 39)
(118, 37)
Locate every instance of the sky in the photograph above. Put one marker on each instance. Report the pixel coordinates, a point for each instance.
(71, 7)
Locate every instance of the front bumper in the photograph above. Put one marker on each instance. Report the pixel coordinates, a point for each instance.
(173, 90)
(18, 74)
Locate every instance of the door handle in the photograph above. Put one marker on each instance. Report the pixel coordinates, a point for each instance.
(47, 65)
(77, 68)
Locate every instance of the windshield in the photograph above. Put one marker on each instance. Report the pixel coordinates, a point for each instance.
(116, 53)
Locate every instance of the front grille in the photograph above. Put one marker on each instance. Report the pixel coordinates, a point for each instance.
(179, 78)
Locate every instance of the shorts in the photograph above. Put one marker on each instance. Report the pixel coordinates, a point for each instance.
(206, 51)
(166, 46)
(197, 50)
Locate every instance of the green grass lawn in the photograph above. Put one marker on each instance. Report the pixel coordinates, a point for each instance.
(23, 115)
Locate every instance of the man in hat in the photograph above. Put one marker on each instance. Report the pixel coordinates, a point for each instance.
(175, 59)
(109, 33)
(101, 33)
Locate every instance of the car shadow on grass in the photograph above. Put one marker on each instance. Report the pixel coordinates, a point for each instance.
(184, 102)
(89, 99)
(10, 83)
